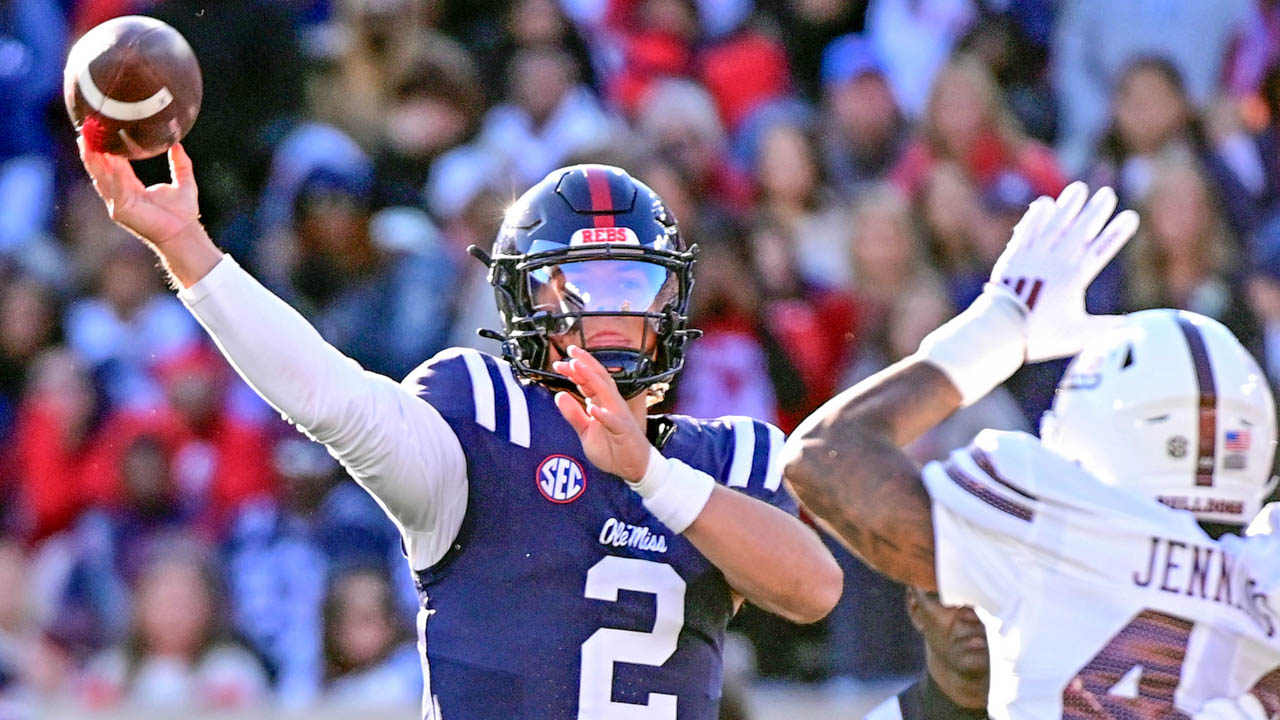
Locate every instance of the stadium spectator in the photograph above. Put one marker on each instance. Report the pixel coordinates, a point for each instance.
(340, 277)
(220, 458)
(308, 148)
(863, 131)
(370, 658)
(435, 103)
(33, 36)
(1154, 121)
(679, 123)
(87, 570)
(794, 198)
(364, 41)
(177, 654)
(1185, 255)
(65, 444)
(548, 117)
(128, 326)
(281, 554)
(809, 29)
(955, 684)
(1004, 40)
(652, 40)
(530, 24)
(888, 258)
(29, 324)
(1095, 42)
(966, 121)
(1263, 288)
(744, 70)
(737, 367)
(1267, 141)
(277, 573)
(914, 39)
(812, 321)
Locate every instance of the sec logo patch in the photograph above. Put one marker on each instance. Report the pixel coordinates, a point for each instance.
(561, 479)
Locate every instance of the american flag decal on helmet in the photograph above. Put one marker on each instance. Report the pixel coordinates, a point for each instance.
(1237, 440)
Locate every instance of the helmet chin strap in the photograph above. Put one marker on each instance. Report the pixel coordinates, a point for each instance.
(610, 356)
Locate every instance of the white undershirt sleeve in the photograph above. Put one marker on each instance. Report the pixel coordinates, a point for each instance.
(393, 443)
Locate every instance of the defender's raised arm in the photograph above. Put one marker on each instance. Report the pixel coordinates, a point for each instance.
(843, 461)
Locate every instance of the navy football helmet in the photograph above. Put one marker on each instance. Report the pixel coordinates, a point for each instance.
(592, 241)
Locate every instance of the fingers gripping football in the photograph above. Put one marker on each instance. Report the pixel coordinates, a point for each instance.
(1057, 249)
(156, 213)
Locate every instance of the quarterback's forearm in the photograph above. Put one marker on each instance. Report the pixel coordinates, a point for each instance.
(769, 557)
(189, 255)
(395, 444)
(846, 468)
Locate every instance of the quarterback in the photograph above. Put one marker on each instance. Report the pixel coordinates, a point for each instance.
(575, 557)
(1100, 557)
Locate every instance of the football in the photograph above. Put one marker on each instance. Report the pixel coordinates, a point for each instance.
(132, 87)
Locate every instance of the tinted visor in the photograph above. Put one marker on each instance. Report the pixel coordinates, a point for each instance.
(601, 286)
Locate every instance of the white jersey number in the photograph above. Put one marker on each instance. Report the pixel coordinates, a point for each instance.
(607, 646)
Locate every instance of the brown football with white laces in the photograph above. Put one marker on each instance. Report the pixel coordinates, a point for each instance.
(132, 87)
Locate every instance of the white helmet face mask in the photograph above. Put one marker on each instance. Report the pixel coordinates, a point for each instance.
(1172, 406)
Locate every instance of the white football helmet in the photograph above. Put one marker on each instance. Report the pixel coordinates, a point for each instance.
(1170, 405)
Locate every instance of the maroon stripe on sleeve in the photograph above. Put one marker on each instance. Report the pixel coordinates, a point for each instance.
(984, 461)
(986, 494)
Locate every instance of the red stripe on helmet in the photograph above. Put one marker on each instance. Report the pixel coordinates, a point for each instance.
(601, 198)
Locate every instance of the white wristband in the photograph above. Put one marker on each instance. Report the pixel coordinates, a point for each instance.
(674, 492)
(982, 346)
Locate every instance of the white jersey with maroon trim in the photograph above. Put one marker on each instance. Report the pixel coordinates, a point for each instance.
(1099, 603)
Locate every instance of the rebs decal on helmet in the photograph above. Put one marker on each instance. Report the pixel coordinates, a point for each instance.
(593, 236)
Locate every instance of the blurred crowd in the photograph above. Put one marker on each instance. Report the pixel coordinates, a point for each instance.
(850, 169)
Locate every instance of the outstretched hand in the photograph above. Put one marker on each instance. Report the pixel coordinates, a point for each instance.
(156, 213)
(1057, 249)
(612, 438)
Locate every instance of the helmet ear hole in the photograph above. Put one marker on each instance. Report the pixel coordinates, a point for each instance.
(1128, 357)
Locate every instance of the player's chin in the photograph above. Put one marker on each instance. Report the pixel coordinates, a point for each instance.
(971, 654)
(974, 662)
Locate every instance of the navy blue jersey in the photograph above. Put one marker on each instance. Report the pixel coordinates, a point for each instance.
(563, 597)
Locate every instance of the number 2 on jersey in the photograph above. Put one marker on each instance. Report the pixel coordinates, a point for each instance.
(607, 646)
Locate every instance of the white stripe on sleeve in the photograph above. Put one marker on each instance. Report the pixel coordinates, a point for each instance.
(773, 476)
(744, 447)
(481, 390)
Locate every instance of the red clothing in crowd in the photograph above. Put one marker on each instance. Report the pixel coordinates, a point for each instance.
(219, 466)
(215, 468)
(58, 476)
(989, 157)
(743, 72)
(817, 332)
